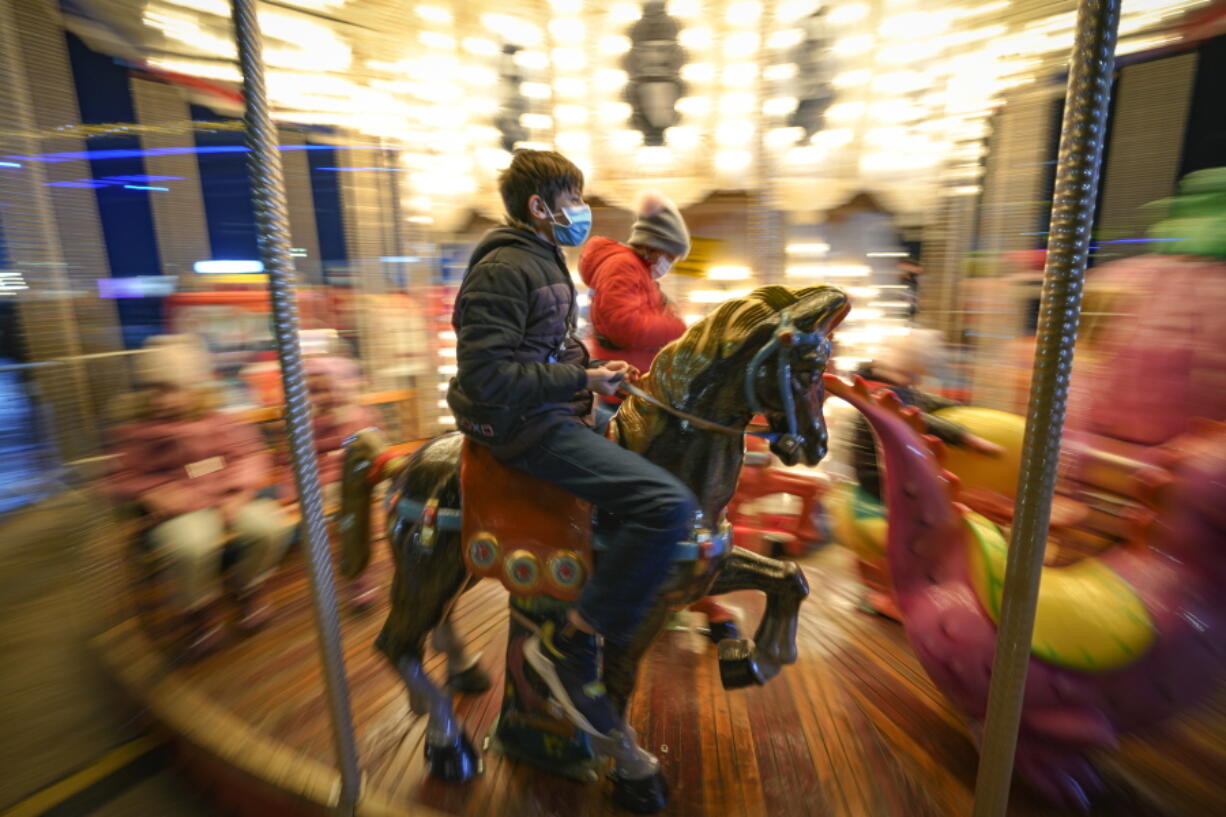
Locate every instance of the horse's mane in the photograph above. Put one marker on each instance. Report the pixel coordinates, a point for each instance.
(706, 343)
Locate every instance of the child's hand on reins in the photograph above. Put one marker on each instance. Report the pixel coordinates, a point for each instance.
(627, 370)
(604, 380)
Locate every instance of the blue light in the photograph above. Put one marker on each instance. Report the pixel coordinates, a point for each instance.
(142, 178)
(10, 164)
(145, 187)
(400, 259)
(228, 267)
(359, 169)
(138, 154)
(140, 286)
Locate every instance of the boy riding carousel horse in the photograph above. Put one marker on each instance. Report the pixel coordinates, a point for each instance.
(524, 389)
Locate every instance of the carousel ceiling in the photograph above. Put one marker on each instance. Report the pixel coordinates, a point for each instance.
(803, 99)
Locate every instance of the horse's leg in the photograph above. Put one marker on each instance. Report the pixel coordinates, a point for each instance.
(621, 661)
(638, 784)
(427, 581)
(464, 672)
(785, 586)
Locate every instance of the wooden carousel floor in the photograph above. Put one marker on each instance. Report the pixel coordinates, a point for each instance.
(854, 729)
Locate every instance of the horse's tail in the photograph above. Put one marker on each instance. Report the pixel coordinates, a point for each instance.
(358, 480)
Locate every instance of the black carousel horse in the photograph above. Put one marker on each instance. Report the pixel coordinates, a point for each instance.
(764, 355)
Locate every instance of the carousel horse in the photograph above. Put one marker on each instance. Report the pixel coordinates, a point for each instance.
(1122, 639)
(455, 515)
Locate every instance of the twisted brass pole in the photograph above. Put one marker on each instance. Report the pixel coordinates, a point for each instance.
(272, 223)
(1091, 69)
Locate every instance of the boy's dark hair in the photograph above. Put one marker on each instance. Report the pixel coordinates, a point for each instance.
(540, 172)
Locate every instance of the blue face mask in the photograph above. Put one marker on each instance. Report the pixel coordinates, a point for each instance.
(577, 231)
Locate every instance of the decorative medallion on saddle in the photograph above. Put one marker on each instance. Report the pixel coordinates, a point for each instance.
(532, 536)
(538, 539)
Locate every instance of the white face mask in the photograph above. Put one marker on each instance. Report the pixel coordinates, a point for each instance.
(660, 267)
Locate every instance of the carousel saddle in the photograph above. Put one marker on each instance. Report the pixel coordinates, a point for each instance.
(530, 534)
(535, 537)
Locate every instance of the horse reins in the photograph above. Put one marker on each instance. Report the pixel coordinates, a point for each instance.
(697, 422)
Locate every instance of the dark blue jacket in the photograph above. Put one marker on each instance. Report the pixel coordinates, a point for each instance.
(521, 370)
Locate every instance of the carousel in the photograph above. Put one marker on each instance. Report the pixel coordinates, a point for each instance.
(982, 675)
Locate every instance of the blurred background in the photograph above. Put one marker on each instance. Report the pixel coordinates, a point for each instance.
(903, 149)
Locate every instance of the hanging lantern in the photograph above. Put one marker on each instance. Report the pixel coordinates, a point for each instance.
(512, 102)
(814, 75)
(653, 66)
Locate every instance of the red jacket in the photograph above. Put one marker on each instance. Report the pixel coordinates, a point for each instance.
(209, 458)
(631, 318)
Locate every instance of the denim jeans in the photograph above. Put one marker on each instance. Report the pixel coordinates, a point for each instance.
(653, 508)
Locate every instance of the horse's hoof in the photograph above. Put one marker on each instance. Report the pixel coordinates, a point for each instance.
(646, 795)
(737, 666)
(470, 681)
(457, 763)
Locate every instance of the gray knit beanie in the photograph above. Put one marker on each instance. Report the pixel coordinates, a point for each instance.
(659, 226)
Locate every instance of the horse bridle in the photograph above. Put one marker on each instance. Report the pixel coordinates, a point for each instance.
(785, 336)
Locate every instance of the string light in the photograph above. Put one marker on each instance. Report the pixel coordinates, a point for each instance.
(779, 106)
(624, 12)
(740, 44)
(534, 60)
(729, 273)
(682, 137)
(848, 13)
(735, 133)
(781, 72)
(536, 121)
(433, 39)
(570, 87)
(567, 29)
(614, 44)
(694, 105)
(785, 39)
(695, 39)
(431, 14)
(535, 90)
(570, 114)
(698, 72)
(685, 9)
(610, 79)
(808, 249)
(743, 12)
(731, 161)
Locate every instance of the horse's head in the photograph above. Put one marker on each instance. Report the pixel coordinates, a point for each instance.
(761, 354)
(783, 379)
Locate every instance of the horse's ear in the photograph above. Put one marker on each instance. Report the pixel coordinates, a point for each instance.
(821, 311)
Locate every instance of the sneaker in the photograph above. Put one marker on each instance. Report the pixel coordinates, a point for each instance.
(363, 592)
(203, 637)
(719, 631)
(254, 610)
(569, 663)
